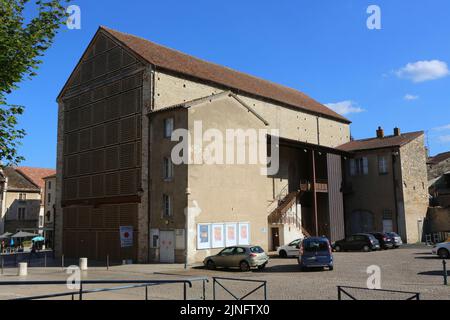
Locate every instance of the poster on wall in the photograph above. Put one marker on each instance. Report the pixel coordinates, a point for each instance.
(244, 233)
(218, 240)
(230, 234)
(126, 236)
(203, 236)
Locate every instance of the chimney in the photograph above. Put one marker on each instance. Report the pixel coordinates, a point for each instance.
(380, 132)
(396, 131)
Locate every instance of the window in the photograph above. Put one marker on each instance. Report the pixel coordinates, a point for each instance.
(168, 168)
(49, 197)
(47, 216)
(382, 165)
(359, 166)
(49, 185)
(167, 206)
(21, 214)
(22, 196)
(168, 127)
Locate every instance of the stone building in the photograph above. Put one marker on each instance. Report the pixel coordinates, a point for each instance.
(386, 184)
(49, 199)
(119, 112)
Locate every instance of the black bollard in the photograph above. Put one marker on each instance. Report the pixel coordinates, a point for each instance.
(444, 264)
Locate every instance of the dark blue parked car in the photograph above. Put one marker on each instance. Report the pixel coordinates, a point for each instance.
(315, 252)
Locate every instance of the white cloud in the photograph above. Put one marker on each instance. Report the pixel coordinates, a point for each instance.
(442, 128)
(426, 70)
(445, 138)
(410, 97)
(345, 107)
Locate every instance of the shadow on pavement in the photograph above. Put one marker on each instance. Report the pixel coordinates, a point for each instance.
(434, 273)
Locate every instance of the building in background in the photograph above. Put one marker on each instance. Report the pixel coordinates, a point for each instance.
(49, 210)
(386, 185)
(21, 202)
(117, 112)
(438, 165)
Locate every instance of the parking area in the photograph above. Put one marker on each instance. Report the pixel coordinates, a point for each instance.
(411, 268)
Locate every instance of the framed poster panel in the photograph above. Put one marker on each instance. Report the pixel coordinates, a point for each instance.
(244, 233)
(203, 236)
(230, 234)
(218, 238)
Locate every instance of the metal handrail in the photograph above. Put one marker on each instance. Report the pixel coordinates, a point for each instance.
(341, 289)
(263, 285)
(80, 291)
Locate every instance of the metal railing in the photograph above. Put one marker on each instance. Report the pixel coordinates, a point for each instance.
(81, 291)
(263, 285)
(342, 291)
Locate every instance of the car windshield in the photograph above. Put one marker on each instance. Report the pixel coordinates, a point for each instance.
(315, 245)
(294, 243)
(226, 251)
(393, 234)
(256, 250)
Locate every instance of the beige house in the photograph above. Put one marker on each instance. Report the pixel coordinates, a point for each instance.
(386, 184)
(123, 116)
(49, 199)
(20, 202)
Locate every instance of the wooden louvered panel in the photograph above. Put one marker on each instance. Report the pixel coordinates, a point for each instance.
(76, 79)
(85, 98)
(128, 129)
(132, 82)
(114, 59)
(114, 88)
(127, 58)
(139, 100)
(84, 187)
(98, 160)
(128, 182)
(128, 214)
(98, 136)
(112, 184)
(129, 103)
(112, 158)
(87, 244)
(138, 154)
(71, 120)
(100, 44)
(127, 156)
(71, 165)
(109, 245)
(100, 65)
(97, 217)
(98, 112)
(112, 133)
(112, 108)
(72, 103)
(71, 142)
(70, 188)
(85, 163)
(87, 71)
(85, 116)
(111, 216)
(138, 126)
(70, 217)
(138, 179)
(98, 186)
(84, 217)
(70, 244)
(85, 140)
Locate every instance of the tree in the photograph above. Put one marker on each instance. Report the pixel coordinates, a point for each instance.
(22, 44)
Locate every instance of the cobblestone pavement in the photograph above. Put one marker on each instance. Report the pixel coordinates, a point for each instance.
(411, 268)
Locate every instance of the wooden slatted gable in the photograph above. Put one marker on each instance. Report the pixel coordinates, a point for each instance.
(127, 156)
(112, 158)
(128, 183)
(85, 163)
(112, 184)
(128, 129)
(98, 186)
(84, 187)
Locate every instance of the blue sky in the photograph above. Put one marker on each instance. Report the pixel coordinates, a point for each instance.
(396, 76)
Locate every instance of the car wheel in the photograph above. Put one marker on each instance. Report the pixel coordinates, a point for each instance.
(337, 248)
(283, 254)
(330, 268)
(261, 267)
(366, 248)
(210, 265)
(244, 266)
(443, 253)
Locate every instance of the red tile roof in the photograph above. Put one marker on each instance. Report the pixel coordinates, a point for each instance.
(380, 143)
(36, 175)
(179, 62)
(439, 158)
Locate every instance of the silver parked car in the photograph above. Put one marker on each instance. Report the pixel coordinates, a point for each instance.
(242, 257)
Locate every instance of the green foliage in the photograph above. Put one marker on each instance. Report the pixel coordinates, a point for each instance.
(22, 44)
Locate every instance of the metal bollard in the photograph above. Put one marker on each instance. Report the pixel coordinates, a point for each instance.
(23, 269)
(83, 264)
(107, 262)
(444, 264)
(2, 264)
(45, 259)
(62, 262)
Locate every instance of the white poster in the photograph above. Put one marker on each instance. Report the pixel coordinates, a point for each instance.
(126, 236)
(230, 234)
(218, 240)
(203, 236)
(244, 233)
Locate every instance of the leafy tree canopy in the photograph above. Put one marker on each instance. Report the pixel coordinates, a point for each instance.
(22, 44)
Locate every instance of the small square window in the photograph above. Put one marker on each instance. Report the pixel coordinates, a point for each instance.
(382, 165)
(167, 205)
(168, 168)
(168, 127)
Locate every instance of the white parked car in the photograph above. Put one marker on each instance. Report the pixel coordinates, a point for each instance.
(290, 250)
(442, 250)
